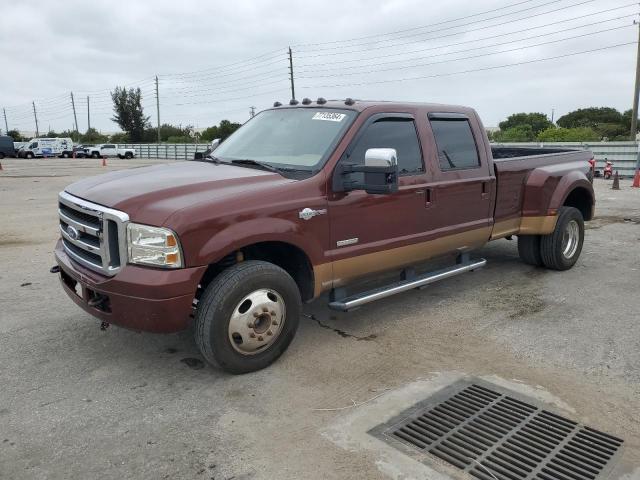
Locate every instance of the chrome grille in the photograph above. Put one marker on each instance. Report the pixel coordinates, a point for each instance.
(93, 235)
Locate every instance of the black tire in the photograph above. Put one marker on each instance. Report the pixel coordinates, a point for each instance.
(1, 155)
(219, 302)
(553, 247)
(29, 155)
(128, 156)
(65, 155)
(529, 249)
(94, 155)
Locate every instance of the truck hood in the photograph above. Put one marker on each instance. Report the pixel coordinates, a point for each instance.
(151, 194)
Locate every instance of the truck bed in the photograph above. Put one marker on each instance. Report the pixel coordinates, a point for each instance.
(513, 167)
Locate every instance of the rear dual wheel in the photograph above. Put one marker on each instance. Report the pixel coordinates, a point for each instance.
(560, 249)
(247, 316)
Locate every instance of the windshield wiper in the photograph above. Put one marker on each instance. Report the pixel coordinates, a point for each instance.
(249, 162)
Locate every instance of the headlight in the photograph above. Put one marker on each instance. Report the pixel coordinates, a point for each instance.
(154, 246)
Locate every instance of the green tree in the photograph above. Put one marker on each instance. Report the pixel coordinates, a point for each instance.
(120, 137)
(17, 137)
(128, 112)
(537, 121)
(520, 133)
(591, 117)
(93, 136)
(221, 131)
(579, 134)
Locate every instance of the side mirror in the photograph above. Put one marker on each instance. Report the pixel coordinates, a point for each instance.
(380, 171)
(214, 144)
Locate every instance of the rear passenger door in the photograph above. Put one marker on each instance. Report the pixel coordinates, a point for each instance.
(459, 195)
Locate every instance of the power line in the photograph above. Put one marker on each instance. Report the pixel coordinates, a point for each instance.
(551, 2)
(421, 77)
(417, 65)
(262, 76)
(229, 99)
(412, 28)
(225, 67)
(379, 47)
(476, 40)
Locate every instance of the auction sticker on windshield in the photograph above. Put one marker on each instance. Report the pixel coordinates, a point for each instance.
(330, 116)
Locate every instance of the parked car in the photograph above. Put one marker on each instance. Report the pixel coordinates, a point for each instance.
(79, 151)
(109, 150)
(306, 199)
(19, 145)
(6, 147)
(48, 147)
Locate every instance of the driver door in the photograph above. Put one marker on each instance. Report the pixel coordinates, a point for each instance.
(371, 232)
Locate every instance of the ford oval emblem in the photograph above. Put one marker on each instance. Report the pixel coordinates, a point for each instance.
(72, 232)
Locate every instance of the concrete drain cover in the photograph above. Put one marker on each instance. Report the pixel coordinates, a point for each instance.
(493, 433)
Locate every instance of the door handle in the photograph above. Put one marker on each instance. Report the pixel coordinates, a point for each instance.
(428, 197)
(485, 190)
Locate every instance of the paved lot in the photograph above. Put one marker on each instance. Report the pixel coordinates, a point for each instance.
(78, 403)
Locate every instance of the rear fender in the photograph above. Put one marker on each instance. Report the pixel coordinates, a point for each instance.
(547, 188)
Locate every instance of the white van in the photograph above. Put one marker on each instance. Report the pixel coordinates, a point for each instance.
(48, 147)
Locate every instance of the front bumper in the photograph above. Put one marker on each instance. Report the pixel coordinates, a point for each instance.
(137, 298)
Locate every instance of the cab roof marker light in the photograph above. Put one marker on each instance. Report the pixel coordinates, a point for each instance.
(349, 101)
(306, 101)
(293, 101)
(321, 101)
(277, 104)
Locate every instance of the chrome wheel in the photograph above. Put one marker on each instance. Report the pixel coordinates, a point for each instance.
(257, 321)
(570, 239)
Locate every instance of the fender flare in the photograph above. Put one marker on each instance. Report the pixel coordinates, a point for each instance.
(265, 229)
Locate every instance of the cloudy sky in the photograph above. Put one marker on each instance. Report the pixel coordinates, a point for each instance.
(217, 59)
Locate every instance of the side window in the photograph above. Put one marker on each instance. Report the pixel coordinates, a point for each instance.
(34, 145)
(456, 145)
(398, 133)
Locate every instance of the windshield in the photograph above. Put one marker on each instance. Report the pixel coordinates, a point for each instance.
(288, 138)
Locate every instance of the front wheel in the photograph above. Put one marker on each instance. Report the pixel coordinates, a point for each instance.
(29, 155)
(247, 316)
(561, 248)
(65, 155)
(95, 155)
(128, 155)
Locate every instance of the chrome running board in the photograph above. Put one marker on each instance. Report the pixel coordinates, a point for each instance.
(355, 301)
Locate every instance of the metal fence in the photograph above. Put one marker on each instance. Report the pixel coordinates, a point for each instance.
(622, 154)
(171, 151)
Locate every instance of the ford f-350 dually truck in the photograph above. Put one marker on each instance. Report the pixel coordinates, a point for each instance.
(307, 198)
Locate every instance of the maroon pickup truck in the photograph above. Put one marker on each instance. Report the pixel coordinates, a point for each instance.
(308, 198)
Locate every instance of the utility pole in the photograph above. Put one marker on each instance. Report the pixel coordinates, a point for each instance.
(553, 113)
(158, 107)
(88, 115)
(75, 118)
(293, 90)
(35, 115)
(636, 91)
(252, 111)
(6, 126)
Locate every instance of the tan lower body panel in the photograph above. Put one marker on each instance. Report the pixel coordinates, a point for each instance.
(348, 269)
(340, 272)
(542, 225)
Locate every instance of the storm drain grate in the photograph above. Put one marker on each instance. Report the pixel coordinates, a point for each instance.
(492, 435)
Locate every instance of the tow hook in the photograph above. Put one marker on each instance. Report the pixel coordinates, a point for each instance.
(104, 325)
(55, 269)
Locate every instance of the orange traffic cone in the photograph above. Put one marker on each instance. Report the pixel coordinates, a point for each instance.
(616, 182)
(104, 161)
(636, 179)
